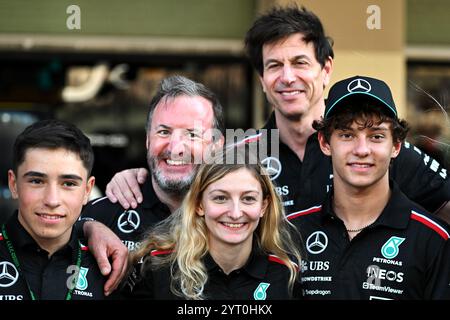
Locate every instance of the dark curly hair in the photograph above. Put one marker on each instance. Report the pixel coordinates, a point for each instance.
(280, 23)
(366, 113)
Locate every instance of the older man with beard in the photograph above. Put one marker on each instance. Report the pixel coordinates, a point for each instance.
(185, 123)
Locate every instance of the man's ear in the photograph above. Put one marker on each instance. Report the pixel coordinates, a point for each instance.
(147, 142)
(396, 149)
(261, 79)
(324, 145)
(89, 186)
(327, 71)
(12, 184)
(218, 143)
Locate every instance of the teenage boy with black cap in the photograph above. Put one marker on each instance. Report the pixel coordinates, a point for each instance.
(41, 256)
(367, 240)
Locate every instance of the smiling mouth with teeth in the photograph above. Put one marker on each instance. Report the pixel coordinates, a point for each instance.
(233, 225)
(361, 165)
(50, 217)
(176, 162)
(290, 93)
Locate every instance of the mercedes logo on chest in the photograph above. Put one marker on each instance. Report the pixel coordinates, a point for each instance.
(8, 274)
(317, 242)
(128, 221)
(272, 166)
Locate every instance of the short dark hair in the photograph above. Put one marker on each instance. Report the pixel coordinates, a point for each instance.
(53, 134)
(367, 113)
(280, 23)
(177, 85)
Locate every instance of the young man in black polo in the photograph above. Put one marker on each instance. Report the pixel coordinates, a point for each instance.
(41, 256)
(367, 240)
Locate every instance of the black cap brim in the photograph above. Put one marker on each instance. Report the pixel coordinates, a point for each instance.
(364, 95)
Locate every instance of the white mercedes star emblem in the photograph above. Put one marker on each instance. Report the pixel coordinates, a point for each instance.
(128, 221)
(8, 274)
(272, 166)
(359, 85)
(317, 242)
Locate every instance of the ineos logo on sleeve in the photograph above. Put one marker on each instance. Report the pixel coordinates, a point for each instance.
(8, 274)
(128, 221)
(272, 166)
(359, 85)
(317, 242)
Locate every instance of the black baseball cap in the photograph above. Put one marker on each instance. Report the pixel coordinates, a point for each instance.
(363, 88)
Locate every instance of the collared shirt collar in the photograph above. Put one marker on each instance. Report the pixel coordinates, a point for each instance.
(272, 124)
(21, 239)
(256, 265)
(395, 214)
(150, 198)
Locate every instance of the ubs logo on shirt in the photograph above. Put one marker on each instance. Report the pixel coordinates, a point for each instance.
(314, 265)
(131, 245)
(282, 191)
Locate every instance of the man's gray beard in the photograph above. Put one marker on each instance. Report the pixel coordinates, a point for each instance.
(175, 187)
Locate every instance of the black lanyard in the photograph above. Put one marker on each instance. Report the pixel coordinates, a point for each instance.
(14, 258)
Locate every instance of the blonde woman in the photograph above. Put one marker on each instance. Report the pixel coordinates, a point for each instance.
(229, 240)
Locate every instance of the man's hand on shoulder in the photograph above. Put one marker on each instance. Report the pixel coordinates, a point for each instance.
(124, 187)
(106, 246)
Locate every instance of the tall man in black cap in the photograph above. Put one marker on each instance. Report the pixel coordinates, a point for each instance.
(294, 59)
(367, 240)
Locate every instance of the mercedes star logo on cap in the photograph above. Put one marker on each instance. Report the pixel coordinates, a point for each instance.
(359, 85)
